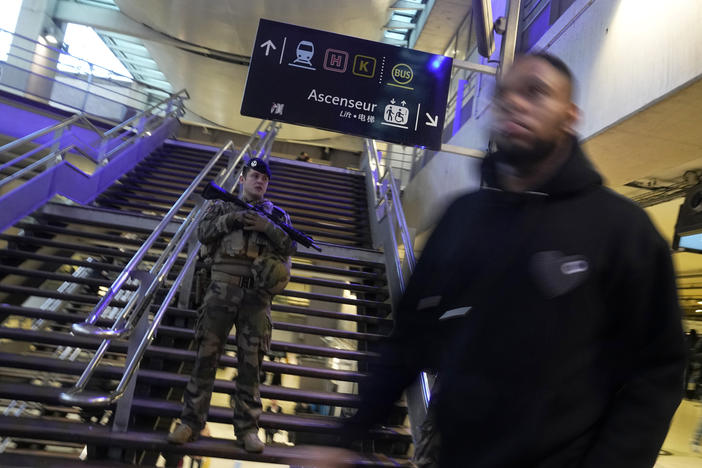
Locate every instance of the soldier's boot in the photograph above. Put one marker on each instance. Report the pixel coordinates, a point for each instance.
(182, 434)
(252, 443)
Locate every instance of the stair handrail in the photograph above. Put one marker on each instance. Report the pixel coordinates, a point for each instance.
(145, 292)
(174, 107)
(87, 327)
(385, 190)
(52, 128)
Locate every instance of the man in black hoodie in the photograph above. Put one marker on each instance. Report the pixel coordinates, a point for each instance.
(546, 302)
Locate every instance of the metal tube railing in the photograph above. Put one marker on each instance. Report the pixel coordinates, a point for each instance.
(44, 131)
(59, 127)
(147, 110)
(78, 394)
(28, 154)
(383, 185)
(402, 222)
(83, 328)
(16, 175)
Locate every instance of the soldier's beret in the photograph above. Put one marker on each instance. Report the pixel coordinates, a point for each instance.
(259, 165)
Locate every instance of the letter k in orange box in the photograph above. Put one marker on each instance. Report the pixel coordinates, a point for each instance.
(364, 66)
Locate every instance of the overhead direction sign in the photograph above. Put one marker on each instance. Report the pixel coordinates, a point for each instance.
(345, 84)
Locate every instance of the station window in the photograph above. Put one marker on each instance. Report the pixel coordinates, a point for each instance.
(85, 48)
(8, 23)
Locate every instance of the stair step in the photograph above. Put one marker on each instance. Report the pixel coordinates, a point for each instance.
(332, 271)
(205, 446)
(338, 253)
(167, 379)
(29, 273)
(300, 328)
(164, 206)
(337, 299)
(282, 165)
(317, 201)
(66, 339)
(302, 209)
(345, 255)
(332, 315)
(292, 186)
(296, 348)
(67, 318)
(93, 299)
(118, 196)
(76, 247)
(6, 253)
(183, 163)
(221, 414)
(86, 234)
(338, 285)
(24, 460)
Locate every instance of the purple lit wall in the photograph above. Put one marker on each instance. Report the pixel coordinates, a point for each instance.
(66, 179)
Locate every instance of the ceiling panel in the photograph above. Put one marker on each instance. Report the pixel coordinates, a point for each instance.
(653, 141)
(230, 25)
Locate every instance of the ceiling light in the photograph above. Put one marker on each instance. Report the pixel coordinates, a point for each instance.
(51, 39)
(42, 41)
(698, 311)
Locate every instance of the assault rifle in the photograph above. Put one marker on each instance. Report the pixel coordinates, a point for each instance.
(213, 191)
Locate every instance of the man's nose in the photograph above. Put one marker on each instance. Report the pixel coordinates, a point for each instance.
(511, 101)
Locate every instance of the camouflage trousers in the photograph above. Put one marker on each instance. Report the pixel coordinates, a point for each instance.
(226, 305)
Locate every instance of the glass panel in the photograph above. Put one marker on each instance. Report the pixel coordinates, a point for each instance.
(8, 22)
(85, 45)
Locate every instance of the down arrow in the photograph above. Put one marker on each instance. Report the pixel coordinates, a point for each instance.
(432, 122)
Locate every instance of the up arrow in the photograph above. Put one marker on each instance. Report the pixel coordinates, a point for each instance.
(268, 45)
(432, 122)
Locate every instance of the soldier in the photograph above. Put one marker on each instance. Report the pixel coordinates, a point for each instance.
(250, 258)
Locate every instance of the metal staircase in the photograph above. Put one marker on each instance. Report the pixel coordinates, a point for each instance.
(62, 260)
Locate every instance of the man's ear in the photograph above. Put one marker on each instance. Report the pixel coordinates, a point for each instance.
(572, 118)
(241, 178)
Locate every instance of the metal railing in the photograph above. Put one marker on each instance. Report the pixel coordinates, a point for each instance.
(387, 221)
(387, 203)
(106, 145)
(155, 278)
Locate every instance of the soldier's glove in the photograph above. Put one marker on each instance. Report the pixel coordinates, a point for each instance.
(253, 221)
(234, 220)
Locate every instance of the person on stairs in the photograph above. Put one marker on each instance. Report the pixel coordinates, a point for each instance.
(250, 263)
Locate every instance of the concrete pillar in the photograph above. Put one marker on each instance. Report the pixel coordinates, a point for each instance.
(32, 65)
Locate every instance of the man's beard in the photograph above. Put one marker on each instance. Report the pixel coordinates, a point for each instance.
(520, 157)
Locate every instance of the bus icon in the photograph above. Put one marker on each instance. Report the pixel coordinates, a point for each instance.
(304, 52)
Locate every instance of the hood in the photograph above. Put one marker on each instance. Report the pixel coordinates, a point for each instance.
(575, 175)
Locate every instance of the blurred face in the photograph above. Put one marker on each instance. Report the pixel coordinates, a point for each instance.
(254, 185)
(533, 111)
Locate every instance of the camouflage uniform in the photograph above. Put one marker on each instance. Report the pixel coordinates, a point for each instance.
(232, 299)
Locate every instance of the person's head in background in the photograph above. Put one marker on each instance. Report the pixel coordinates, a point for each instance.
(303, 156)
(534, 112)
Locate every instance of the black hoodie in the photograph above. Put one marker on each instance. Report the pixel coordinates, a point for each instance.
(552, 318)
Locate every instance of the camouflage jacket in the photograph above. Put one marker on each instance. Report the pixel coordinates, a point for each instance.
(223, 245)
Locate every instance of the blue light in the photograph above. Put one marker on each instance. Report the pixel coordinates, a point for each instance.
(436, 62)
